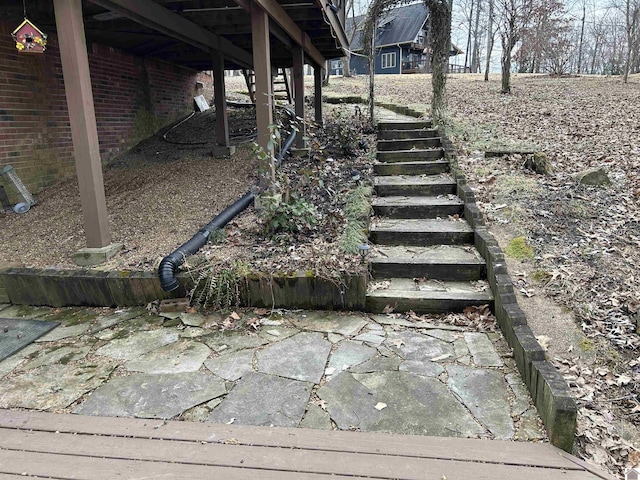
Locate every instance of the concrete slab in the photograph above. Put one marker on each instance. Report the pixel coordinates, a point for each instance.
(179, 357)
(301, 357)
(231, 366)
(484, 393)
(152, 396)
(259, 399)
(87, 257)
(138, 344)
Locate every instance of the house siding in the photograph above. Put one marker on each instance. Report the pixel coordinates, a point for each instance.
(131, 96)
(360, 65)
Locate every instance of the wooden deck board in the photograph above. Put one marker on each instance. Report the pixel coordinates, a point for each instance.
(127, 448)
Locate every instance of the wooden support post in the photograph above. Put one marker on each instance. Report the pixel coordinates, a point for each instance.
(220, 101)
(317, 84)
(262, 69)
(298, 92)
(82, 116)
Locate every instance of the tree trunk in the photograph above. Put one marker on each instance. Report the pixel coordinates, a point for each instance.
(440, 26)
(475, 59)
(327, 73)
(489, 42)
(372, 74)
(507, 47)
(467, 54)
(627, 63)
(584, 16)
(346, 66)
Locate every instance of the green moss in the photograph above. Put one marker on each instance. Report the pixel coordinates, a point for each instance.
(144, 125)
(586, 345)
(66, 359)
(519, 248)
(541, 276)
(121, 334)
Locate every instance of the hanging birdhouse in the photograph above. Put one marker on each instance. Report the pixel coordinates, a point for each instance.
(29, 38)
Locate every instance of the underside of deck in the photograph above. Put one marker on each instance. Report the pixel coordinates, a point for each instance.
(34, 444)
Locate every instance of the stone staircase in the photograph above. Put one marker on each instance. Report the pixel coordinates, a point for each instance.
(424, 259)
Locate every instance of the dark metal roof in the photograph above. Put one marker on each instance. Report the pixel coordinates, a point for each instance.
(400, 25)
(222, 17)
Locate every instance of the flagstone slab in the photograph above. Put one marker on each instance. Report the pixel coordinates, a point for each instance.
(415, 405)
(316, 418)
(193, 319)
(138, 343)
(344, 324)
(520, 403)
(482, 350)
(232, 366)
(53, 386)
(371, 338)
(484, 393)
(152, 396)
(62, 355)
(59, 333)
(301, 357)
(444, 335)
(425, 368)
(377, 364)
(277, 333)
(178, 357)
(229, 342)
(529, 429)
(350, 353)
(264, 400)
(25, 311)
(403, 322)
(412, 345)
(460, 347)
(102, 323)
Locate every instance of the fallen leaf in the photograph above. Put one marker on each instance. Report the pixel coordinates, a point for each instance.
(440, 357)
(388, 309)
(380, 406)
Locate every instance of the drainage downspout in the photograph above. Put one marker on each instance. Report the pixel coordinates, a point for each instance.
(170, 264)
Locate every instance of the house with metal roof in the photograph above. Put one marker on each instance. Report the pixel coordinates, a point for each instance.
(400, 42)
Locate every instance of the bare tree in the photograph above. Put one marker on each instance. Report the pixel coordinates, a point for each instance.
(581, 42)
(632, 19)
(514, 17)
(475, 56)
(490, 39)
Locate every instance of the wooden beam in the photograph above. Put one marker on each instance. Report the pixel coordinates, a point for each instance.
(298, 92)
(152, 15)
(279, 16)
(317, 89)
(334, 21)
(262, 70)
(222, 123)
(82, 117)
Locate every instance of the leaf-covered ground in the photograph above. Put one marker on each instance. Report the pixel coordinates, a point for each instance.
(585, 239)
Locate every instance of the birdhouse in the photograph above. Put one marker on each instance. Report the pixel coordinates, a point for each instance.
(29, 38)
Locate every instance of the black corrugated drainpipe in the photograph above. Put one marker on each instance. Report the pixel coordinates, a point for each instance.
(170, 264)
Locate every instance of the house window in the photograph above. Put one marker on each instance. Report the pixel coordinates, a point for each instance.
(389, 60)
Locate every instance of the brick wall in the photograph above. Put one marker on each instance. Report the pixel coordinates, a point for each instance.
(133, 96)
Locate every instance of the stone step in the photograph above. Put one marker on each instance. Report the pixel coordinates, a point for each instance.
(439, 262)
(404, 294)
(410, 155)
(414, 185)
(413, 125)
(412, 168)
(408, 144)
(400, 134)
(417, 207)
(420, 232)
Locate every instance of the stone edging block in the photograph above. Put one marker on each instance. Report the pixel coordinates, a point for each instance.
(547, 387)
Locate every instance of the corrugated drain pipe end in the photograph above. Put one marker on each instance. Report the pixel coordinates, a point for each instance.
(169, 265)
